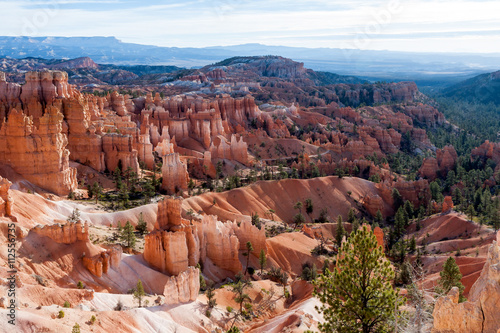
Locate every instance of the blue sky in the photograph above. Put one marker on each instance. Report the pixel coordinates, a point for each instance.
(405, 25)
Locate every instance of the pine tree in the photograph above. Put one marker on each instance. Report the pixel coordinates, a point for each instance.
(75, 216)
(309, 208)
(340, 232)
(378, 217)
(256, 221)
(142, 226)
(117, 176)
(410, 211)
(358, 295)
(355, 225)
(471, 212)
(298, 219)
(139, 292)
(127, 234)
(495, 219)
(210, 293)
(351, 216)
(262, 260)
(96, 191)
(398, 199)
(239, 289)
(123, 196)
(399, 224)
(298, 206)
(247, 254)
(76, 328)
(450, 277)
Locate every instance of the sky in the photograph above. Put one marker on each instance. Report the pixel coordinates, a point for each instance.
(398, 25)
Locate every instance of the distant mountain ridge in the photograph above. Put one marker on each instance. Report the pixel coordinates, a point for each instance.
(376, 65)
(484, 88)
(84, 71)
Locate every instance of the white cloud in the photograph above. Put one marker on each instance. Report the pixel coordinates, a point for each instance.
(419, 24)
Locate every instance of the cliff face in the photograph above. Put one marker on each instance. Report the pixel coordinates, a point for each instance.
(174, 172)
(100, 263)
(38, 153)
(49, 121)
(247, 232)
(480, 313)
(67, 233)
(236, 149)
(445, 160)
(182, 288)
(175, 244)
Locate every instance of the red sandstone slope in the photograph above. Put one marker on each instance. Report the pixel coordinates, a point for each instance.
(443, 236)
(337, 195)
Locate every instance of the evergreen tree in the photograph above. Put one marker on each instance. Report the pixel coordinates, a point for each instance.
(298, 206)
(210, 293)
(358, 296)
(142, 226)
(298, 219)
(127, 234)
(398, 199)
(351, 217)
(148, 191)
(256, 220)
(123, 196)
(247, 254)
(117, 177)
(75, 216)
(139, 292)
(239, 289)
(378, 217)
(323, 216)
(76, 328)
(262, 260)
(355, 225)
(495, 219)
(409, 209)
(340, 232)
(450, 277)
(471, 212)
(399, 223)
(96, 191)
(309, 207)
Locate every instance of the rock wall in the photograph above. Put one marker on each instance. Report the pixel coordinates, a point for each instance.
(119, 149)
(247, 232)
(182, 288)
(100, 263)
(38, 153)
(220, 244)
(236, 149)
(87, 130)
(481, 312)
(64, 233)
(174, 172)
(176, 244)
(445, 160)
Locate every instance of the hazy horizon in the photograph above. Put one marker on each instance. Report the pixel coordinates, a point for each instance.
(394, 25)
